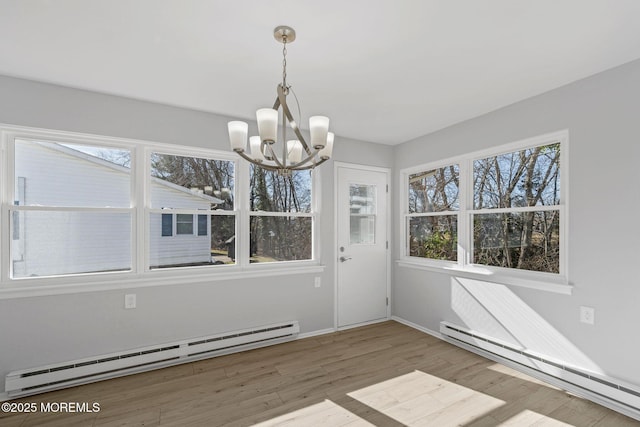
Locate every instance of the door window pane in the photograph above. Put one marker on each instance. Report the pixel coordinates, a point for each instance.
(362, 211)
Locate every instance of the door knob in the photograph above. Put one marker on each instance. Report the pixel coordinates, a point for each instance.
(344, 258)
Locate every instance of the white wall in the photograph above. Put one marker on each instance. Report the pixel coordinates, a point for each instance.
(602, 115)
(49, 329)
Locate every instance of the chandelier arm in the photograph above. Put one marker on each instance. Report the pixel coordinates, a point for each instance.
(274, 157)
(311, 166)
(282, 98)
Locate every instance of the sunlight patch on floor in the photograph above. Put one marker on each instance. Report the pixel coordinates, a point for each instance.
(324, 413)
(420, 399)
(530, 418)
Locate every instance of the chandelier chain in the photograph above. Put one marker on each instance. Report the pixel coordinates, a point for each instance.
(284, 63)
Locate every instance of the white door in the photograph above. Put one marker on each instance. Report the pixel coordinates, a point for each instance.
(362, 265)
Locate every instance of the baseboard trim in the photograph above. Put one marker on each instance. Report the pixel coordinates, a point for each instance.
(316, 333)
(418, 327)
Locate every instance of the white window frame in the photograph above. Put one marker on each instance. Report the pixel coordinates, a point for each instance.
(315, 184)
(140, 274)
(464, 267)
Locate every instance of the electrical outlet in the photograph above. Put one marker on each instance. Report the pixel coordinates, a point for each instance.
(130, 301)
(317, 283)
(588, 315)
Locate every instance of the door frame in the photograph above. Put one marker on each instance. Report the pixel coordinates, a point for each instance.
(387, 171)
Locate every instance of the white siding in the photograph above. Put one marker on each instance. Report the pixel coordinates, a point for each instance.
(54, 242)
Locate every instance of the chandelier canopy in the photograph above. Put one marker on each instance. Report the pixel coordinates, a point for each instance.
(296, 154)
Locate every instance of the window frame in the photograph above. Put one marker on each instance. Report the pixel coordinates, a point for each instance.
(140, 210)
(315, 182)
(463, 267)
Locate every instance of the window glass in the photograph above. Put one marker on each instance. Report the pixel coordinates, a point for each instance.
(167, 225)
(528, 177)
(434, 190)
(271, 192)
(184, 224)
(434, 237)
(522, 240)
(65, 242)
(280, 238)
(191, 182)
(362, 211)
(53, 174)
(190, 250)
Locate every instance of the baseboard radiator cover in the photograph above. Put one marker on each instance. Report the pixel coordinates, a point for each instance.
(612, 393)
(62, 375)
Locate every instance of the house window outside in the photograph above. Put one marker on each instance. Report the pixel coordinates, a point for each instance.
(281, 216)
(184, 224)
(71, 210)
(167, 225)
(189, 188)
(500, 209)
(203, 229)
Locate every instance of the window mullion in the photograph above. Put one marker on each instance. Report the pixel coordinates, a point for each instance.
(243, 221)
(465, 235)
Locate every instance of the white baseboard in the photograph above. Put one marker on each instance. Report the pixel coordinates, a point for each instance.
(316, 333)
(418, 327)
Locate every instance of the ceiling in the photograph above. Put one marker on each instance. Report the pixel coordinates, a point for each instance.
(384, 71)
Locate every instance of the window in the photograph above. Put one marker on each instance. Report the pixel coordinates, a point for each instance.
(71, 210)
(516, 209)
(184, 224)
(499, 210)
(167, 225)
(433, 213)
(189, 186)
(281, 218)
(76, 204)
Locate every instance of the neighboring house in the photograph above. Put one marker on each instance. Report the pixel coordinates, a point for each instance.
(53, 176)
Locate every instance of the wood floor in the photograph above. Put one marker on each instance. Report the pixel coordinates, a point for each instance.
(384, 375)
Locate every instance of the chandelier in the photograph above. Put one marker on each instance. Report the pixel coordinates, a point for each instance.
(296, 154)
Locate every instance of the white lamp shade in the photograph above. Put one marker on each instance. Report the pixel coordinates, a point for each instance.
(267, 124)
(255, 145)
(318, 127)
(327, 151)
(294, 150)
(238, 135)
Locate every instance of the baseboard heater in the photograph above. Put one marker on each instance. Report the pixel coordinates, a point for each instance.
(82, 371)
(614, 394)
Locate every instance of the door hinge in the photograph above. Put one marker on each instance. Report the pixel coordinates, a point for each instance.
(387, 300)
(387, 188)
(387, 244)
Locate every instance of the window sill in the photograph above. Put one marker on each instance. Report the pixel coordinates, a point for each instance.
(553, 284)
(32, 287)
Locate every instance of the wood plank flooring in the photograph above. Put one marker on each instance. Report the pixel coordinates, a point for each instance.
(385, 374)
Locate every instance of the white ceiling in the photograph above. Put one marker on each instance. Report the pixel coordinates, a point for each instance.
(384, 71)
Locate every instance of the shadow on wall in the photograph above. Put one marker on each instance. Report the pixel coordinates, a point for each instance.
(494, 310)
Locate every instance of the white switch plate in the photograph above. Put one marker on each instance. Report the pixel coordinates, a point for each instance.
(130, 301)
(317, 283)
(588, 315)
